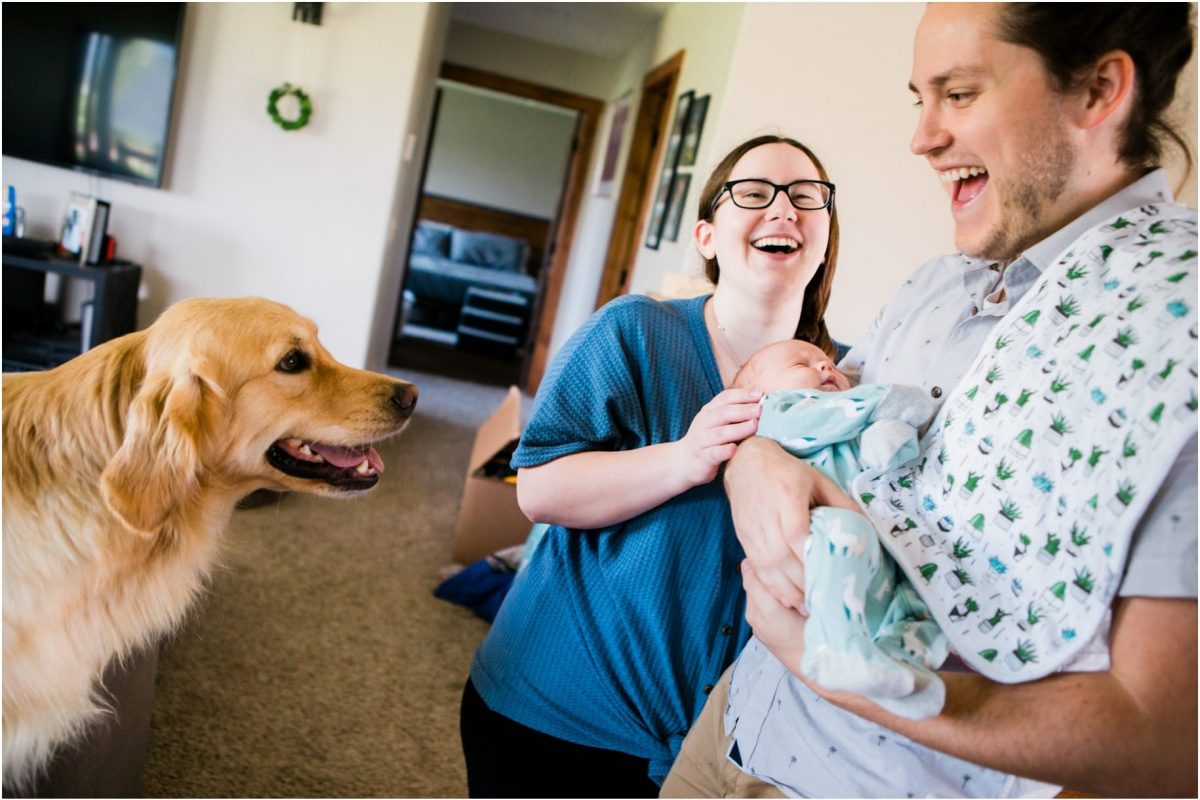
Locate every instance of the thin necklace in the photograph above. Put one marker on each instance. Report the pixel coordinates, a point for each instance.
(729, 351)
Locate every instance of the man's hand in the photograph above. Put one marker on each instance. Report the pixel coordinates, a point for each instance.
(770, 494)
(1128, 732)
(781, 630)
(778, 627)
(713, 435)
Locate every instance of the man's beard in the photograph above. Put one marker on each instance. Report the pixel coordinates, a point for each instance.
(1024, 201)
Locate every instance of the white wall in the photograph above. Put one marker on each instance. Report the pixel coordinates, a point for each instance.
(407, 186)
(851, 105)
(302, 217)
(590, 76)
(709, 34)
(528, 60)
(319, 218)
(500, 151)
(1183, 115)
(594, 227)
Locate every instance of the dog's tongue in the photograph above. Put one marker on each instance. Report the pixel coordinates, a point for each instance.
(347, 457)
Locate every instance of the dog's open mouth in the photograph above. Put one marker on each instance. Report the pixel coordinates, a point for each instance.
(346, 468)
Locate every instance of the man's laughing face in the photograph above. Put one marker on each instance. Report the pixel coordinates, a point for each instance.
(993, 128)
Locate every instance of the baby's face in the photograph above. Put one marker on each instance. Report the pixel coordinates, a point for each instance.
(792, 364)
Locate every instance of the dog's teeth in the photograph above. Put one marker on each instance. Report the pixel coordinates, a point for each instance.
(295, 443)
(363, 467)
(306, 450)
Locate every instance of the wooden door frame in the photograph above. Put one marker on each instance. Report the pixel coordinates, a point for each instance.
(553, 272)
(637, 185)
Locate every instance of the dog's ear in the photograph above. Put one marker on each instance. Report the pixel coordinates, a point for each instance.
(158, 464)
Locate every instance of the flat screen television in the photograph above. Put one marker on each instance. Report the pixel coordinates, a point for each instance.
(89, 86)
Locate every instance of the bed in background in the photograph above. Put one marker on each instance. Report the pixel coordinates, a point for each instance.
(444, 262)
(457, 246)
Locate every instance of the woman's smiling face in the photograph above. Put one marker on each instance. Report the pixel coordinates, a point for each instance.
(778, 248)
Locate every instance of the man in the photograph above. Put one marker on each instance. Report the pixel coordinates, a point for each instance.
(1044, 121)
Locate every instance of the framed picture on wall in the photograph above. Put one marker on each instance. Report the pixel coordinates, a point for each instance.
(692, 129)
(666, 176)
(612, 149)
(658, 213)
(675, 141)
(678, 196)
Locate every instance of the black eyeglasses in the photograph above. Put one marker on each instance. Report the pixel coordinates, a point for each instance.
(755, 193)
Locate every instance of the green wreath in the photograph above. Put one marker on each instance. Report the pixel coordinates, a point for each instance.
(301, 97)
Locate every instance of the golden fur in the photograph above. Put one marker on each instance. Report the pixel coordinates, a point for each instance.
(121, 469)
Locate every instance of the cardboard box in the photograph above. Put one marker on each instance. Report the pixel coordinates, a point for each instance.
(489, 518)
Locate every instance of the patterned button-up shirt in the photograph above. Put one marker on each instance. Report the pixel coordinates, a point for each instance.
(929, 335)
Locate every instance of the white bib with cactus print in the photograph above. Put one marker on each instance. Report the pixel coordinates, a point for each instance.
(1016, 523)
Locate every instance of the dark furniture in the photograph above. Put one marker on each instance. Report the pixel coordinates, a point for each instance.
(457, 246)
(33, 337)
(109, 759)
(446, 261)
(493, 321)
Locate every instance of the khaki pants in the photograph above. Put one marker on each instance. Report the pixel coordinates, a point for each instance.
(703, 768)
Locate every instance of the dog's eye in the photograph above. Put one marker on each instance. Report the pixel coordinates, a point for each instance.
(294, 361)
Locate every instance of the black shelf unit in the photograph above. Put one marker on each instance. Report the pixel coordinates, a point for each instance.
(33, 339)
(493, 321)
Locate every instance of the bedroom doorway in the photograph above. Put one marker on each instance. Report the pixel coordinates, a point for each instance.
(645, 149)
(501, 188)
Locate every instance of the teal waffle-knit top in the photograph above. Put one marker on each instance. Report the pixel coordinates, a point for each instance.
(612, 637)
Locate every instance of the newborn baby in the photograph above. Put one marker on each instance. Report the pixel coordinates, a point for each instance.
(868, 630)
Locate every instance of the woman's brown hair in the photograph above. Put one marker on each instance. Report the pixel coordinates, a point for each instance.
(811, 327)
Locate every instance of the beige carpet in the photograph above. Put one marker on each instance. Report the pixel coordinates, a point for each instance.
(320, 664)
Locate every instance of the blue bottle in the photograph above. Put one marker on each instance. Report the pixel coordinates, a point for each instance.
(10, 211)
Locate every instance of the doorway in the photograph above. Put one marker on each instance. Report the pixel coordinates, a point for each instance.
(645, 150)
(491, 237)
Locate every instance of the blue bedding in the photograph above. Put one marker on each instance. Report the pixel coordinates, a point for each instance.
(444, 281)
(446, 261)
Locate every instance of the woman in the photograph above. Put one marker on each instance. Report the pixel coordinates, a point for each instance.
(631, 608)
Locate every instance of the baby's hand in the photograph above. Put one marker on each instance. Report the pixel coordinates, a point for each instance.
(712, 438)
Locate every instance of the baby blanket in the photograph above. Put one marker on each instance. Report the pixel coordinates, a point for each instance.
(867, 632)
(1015, 524)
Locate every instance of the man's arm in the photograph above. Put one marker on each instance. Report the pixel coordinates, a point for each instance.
(1129, 732)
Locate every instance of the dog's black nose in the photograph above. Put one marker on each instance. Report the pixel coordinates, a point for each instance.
(404, 398)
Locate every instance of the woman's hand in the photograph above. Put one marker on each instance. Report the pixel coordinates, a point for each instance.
(600, 488)
(770, 494)
(713, 436)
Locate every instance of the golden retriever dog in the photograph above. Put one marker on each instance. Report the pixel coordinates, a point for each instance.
(123, 466)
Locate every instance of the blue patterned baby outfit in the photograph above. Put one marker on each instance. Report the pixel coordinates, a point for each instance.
(868, 632)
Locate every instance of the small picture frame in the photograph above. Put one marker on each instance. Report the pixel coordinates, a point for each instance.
(678, 196)
(612, 149)
(77, 226)
(93, 253)
(692, 130)
(666, 176)
(658, 213)
(675, 141)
